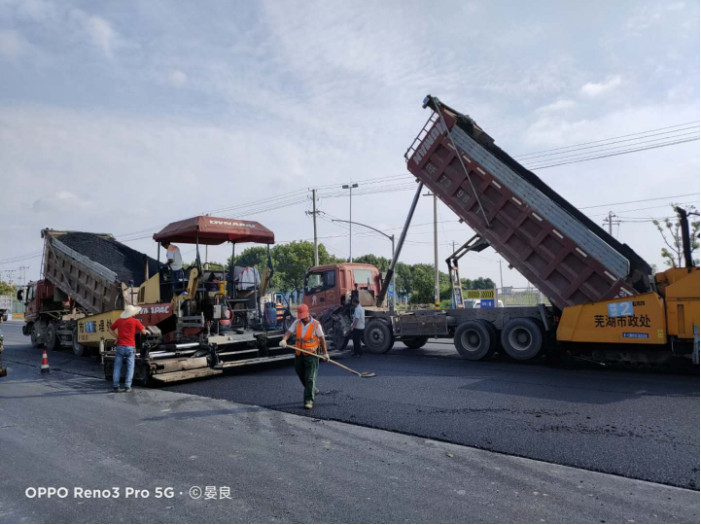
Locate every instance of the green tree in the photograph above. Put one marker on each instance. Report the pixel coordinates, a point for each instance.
(673, 253)
(381, 263)
(404, 279)
(423, 284)
(7, 289)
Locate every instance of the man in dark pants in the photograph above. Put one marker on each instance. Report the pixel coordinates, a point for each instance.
(309, 337)
(358, 327)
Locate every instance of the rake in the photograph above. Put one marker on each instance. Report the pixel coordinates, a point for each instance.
(359, 374)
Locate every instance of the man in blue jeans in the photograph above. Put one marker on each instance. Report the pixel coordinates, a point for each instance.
(127, 327)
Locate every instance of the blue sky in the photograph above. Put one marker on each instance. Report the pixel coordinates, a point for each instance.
(123, 116)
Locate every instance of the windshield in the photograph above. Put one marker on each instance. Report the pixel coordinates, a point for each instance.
(363, 277)
(316, 282)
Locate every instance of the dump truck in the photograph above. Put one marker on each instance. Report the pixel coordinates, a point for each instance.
(83, 274)
(605, 302)
(5, 307)
(207, 323)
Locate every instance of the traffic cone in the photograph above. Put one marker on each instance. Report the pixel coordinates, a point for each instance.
(45, 363)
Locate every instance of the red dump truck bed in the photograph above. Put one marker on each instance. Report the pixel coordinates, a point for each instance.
(564, 254)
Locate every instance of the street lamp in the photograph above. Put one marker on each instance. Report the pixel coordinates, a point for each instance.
(391, 238)
(350, 187)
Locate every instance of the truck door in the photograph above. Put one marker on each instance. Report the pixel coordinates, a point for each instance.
(321, 291)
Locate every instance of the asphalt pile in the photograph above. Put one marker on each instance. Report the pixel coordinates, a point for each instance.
(126, 262)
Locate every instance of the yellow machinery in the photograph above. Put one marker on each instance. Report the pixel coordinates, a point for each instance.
(668, 317)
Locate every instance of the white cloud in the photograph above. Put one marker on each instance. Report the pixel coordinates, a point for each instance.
(558, 105)
(60, 202)
(98, 30)
(177, 77)
(595, 89)
(12, 44)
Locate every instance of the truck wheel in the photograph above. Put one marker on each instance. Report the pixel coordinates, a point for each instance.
(34, 335)
(378, 337)
(522, 339)
(52, 342)
(108, 368)
(415, 342)
(475, 340)
(334, 330)
(78, 349)
(4, 318)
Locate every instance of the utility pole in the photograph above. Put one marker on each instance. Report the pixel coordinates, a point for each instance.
(501, 278)
(610, 221)
(350, 187)
(314, 214)
(437, 290)
(437, 294)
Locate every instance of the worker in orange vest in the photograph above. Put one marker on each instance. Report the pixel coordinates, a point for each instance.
(310, 337)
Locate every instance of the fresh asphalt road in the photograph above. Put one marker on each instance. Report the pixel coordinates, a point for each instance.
(633, 424)
(252, 464)
(642, 425)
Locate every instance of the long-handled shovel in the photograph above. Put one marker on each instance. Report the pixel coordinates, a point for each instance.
(359, 374)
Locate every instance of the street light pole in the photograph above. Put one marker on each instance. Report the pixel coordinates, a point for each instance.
(391, 238)
(350, 187)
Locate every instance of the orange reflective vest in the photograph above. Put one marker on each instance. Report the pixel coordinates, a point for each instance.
(310, 341)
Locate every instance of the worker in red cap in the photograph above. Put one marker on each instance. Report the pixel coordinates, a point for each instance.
(310, 337)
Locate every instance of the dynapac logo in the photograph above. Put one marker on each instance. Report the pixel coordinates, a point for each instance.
(233, 223)
(437, 130)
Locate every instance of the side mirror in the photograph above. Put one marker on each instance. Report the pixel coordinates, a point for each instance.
(20, 295)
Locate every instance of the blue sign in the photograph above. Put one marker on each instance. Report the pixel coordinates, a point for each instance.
(635, 335)
(623, 309)
(486, 303)
(390, 290)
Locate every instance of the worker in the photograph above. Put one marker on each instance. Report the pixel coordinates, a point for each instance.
(310, 337)
(175, 262)
(126, 327)
(358, 327)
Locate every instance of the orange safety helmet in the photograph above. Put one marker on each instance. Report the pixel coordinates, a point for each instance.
(302, 311)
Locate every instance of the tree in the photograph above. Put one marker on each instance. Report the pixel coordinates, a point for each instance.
(481, 283)
(381, 263)
(7, 289)
(423, 284)
(670, 230)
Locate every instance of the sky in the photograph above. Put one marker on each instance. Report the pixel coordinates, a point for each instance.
(123, 116)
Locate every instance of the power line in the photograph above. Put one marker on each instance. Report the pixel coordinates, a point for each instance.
(608, 140)
(596, 157)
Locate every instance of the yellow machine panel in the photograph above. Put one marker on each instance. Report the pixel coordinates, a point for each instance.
(638, 319)
(150, 291)
(680, 288)
(96, 327)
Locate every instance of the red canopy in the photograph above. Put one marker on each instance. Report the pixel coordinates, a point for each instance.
(215, 230)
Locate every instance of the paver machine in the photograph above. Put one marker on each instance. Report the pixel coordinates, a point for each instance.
(208, 322)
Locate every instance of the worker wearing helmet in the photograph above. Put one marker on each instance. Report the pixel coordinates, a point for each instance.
(309, 337)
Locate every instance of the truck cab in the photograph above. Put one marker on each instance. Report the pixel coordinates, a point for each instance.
(333, 285)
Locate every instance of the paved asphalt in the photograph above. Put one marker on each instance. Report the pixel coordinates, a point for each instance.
(635, 424)
(64, 429)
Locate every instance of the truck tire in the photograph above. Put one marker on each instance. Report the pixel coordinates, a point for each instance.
(78, 349)
(475, 340)
(334, 331)
(378, 337)
(415, 342)
(522, 338)
(52, 342)
(34, 335)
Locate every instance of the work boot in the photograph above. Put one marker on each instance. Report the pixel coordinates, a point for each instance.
(308, 405)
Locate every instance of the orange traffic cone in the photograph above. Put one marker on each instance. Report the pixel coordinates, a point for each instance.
(45, 363)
